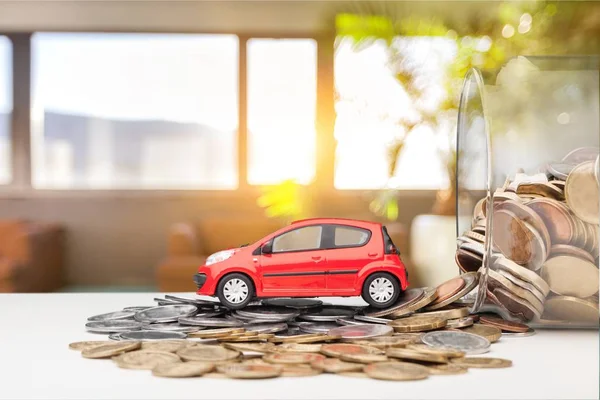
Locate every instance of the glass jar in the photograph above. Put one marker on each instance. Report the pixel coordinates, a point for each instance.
(528, 149)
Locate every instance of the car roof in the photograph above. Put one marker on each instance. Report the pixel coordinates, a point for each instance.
(339, 221)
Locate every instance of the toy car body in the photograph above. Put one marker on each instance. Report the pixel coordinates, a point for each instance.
(310, 258)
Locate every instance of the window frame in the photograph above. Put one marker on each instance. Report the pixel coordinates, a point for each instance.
(320, 247)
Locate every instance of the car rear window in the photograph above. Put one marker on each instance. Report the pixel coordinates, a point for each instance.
(349, 236)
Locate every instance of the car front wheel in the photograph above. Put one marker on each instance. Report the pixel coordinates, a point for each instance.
(235, 291)
(381, 290)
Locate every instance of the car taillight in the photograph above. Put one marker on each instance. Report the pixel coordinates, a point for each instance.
(392, 249)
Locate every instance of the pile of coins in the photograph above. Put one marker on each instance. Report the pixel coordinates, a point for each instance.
(545, 244)
(429, 331)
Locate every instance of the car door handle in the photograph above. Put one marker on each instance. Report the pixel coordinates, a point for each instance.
(317, 259)
(373, 254)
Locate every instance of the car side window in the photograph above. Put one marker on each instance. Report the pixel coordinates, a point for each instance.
(306, 238)
(346, 236)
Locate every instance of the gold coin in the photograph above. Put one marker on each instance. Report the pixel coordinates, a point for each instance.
(145, 359)
(417, 323)
(363, 358)
(481, 362)
(214, 333)
(307, 338)
(446, 313)
(246, 338)
(298, 348)
(573, 309)
(396, 371)
(110, 349)
(429, 295)
(571, 276)
(214, 375)
(501, 281)
(257, 347)
(292, 358)
(446, 369)
(408, 354)
(334, 365)
(80, 346)
(353, 374)
(522, 273)
(183, 369)
(210, 353)
(170, 346)
(443, 351)
(337, 349)
(581, 192)
(491, 333)
(384, 342)
(459, 322)
(250, 371)
(297, 370)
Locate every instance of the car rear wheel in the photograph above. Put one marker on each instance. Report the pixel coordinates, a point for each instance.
(381, 290)
(235, 291)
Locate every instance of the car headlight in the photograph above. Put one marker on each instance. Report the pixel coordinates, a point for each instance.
(219, 256)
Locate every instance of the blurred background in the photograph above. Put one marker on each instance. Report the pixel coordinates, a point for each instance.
(139, 137)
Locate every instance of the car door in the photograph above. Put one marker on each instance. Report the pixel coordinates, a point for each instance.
(296, 265)
(350, 248)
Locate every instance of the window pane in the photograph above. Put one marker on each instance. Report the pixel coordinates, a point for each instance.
(282, 90)
(139, 111)
(350, 236)
(5, 108)
(369, 107)
(299, 239)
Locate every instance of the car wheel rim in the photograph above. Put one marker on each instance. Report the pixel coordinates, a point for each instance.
(381, 290)
(235, 291)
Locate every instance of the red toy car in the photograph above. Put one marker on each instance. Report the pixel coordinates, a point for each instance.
(310, 258)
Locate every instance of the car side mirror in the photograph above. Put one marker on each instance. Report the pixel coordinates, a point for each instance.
(267, 248)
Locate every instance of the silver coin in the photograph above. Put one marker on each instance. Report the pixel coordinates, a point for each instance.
(290, 331)
(560, 170)
(115, 336)
(373, 320)
(171, 327)
(152, 335)
(348, 321)
(137, 308)
(266, 328)
(212, 322)
(297, 303)
(166, 302)
(405, 299)
(268, 313)
(186, 300)
(119, 325)
(581, 155)
(254, 320)
(166, 313)
(467, 342)
(530, 332)
(294, 322)
(111, 316)
(459, 322)
(361, 331)
(317, 327)
(328, 314)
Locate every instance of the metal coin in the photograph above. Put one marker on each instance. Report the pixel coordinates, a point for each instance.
(214, 333)
(512, 237)
(253, 320)
(560, 170)
(522, 273)
(170, 346)
(459, 323)
(266, 328)
(417, 323)
(111, 316)
(119, 325)
(348, 321)
(405, 299)
(186, 300)
(471, 280)
(415, 355)
(209, 322)
(364, 358)
(448, 289)
(573, 309)
(466, 342)
(339, 349)
(137, 308)
(581, 191)
(165, 302)
(152, 335)
(445, 352)
(115, 336)
(298, 348)
(446, 313)
(297, 303)
(571, 276)
(80, 346)
(290, 331)
(556, 218)
(166, 313)
(518, 306)
(211, 353)
(372, 320)
(383, 342)
(183, 370)
(333, 365)
(318, 327)
(503, 324)
(255, 347)
(292, 358)
(172, 327)
(489, 332)
(261, 312)
(328, 314)
(467, 261)
(250, 371)
(481, 362)
(496, 280)
(530, 332)
(446, 369)
(396, 371)
(110, 349)
(580, 155)
(524, 285)
(361, 331)
(145, 359)
(304, 338)
(540, 189)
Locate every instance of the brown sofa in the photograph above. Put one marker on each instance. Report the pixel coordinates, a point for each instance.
(31, 256)
(189, 244)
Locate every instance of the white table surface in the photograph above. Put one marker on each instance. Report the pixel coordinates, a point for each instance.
(35, 362)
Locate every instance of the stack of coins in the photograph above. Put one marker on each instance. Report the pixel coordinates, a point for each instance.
(545, 243)
(427, 332)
